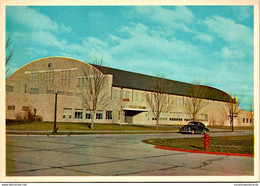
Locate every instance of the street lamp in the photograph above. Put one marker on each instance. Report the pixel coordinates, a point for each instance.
(55, 112)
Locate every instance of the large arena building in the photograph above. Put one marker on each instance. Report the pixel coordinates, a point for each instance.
(34, 85)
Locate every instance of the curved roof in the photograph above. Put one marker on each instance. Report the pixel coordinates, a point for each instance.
(126, 79)
(133, 80)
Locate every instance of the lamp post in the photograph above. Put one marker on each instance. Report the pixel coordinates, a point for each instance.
(55, 112)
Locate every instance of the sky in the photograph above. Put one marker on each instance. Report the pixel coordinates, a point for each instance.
(212, 43)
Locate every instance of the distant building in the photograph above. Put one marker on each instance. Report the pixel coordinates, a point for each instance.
(34, 85)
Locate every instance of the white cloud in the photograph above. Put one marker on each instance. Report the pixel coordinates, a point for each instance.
(31, 18)
(230, 31)
(203, 37)
(171, 18)
(230, 53)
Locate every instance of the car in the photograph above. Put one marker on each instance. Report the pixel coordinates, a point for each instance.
(194, 127)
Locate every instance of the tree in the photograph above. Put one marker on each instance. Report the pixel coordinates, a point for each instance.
(94, 89)
(233, 107)
(194, 103)
(250, 108)
(158, 99)
(8, 54)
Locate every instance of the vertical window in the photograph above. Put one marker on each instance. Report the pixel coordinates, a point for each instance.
(49, 76)
(69, 78)
(88, 115)
(49, 65)
(78, 82)
(109, 115)
(82, 79)
(78, 114)
(62, 76)
(99, 115)
(31, 76)
(52, 77)
(243, 120)
(66, 77)
(37, 77)
(46, 77)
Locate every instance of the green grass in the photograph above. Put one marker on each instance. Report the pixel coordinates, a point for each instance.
(229, 127)
(227, 144)
(48, 126)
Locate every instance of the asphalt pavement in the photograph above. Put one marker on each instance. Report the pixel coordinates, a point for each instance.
(114, 155)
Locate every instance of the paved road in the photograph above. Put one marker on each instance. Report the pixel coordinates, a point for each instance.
(114, 155)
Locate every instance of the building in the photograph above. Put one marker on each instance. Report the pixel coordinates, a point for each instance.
(33, 86)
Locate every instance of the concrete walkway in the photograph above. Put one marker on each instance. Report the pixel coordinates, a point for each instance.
(114, 155)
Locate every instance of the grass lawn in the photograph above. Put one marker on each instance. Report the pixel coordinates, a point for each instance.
(48, 126)
(227, 144)
(229, 127)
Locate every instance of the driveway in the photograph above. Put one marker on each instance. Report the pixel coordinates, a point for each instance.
(114, 155)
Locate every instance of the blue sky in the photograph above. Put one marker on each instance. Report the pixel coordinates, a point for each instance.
(213, 43)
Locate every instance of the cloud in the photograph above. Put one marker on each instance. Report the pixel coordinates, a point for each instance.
(230, 53)
(177, 18)
(230, 31)
(32, 19)
(203, 37)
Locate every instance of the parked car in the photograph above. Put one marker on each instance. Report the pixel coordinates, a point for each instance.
(194, 127)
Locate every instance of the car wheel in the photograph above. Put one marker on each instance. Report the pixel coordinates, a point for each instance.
(193, 132)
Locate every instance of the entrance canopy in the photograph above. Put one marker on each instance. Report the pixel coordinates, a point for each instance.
(135, 109)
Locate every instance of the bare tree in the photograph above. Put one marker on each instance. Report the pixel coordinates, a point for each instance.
(233, 107)
(8, 54)
(194, 103)
(250, 108)
(158, 99)
(94, 89)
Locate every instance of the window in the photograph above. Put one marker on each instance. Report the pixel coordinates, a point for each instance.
(25, 108)
(9, 88)
(78, 114)
(243, 120)
(62, 75)
(34, 91)
(69, 93)
(78, 94)
(49, 65)
(99, 115)
(109, 115)
(69, 78)
(11, 107)
(50, 91)
(88, 115)
(67, 112)
(61, 92)
(52, 77)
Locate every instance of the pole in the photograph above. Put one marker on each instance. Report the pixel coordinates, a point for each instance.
(55, 114)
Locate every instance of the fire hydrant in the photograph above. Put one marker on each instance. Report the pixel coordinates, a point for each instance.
(206, 141)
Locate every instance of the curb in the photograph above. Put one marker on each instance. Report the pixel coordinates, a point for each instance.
(204, 152)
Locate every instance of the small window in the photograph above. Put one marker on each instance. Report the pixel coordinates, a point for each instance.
(49, 65)
(61, 92)
(69, 93)
(109, 115)
(50, 91)
(34, 91)
(9, 88)
(78, 94)
(99, 115)
(88, 116)
(11, 107)
(78, 114)
(25, 108)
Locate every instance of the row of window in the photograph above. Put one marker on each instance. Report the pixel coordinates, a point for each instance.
(247, 120)
(79, 114)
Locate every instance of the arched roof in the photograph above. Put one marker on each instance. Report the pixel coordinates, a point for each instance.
(126, 79)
